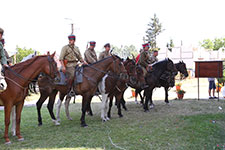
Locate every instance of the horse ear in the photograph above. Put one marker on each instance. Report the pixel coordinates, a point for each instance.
(53, 55)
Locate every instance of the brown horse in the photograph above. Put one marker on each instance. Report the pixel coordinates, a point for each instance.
(110, 87)
(18, 77)
(92, 74)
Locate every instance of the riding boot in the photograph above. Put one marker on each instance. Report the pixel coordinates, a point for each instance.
(62, 80)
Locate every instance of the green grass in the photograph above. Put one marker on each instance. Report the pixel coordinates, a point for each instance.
(183, 125)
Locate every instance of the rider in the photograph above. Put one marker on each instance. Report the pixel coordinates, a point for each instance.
(105, 53)
(9, 60)
(2, 56)
(69, 57)
(144, 59)
(90, 54)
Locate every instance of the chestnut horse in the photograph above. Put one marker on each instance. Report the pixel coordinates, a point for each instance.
(110, 87)
(92, 74)
(18, 78)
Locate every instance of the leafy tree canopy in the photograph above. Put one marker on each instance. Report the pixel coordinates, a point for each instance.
(23, 52)
(215, 44)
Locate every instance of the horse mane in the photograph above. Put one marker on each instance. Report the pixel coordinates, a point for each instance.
(157, 64)
(19, 67)
(101, 60)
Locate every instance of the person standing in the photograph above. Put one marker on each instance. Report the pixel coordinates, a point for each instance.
(90, 54)
(69, 57)
(105, 53)
(212, 87)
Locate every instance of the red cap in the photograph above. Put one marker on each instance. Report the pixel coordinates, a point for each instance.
(72, 37)
(145, 45)
(92, 43)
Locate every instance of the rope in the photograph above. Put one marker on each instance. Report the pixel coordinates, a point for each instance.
(14, 82)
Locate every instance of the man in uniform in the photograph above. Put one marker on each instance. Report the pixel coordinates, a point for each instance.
(105, 53)
(3, 60)
(153, 58)
(70, 56)
(9, 60)
(144, 59)
(90, 54)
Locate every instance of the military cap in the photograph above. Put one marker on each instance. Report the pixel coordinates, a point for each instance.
(107, 45)
(1, 31)
(3, 41)
(145, 45)
(71, 37)
(92, 43)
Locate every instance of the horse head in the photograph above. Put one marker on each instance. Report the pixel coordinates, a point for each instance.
(118, 68)
(181, 66)
(135, 73)
(50, 67)
(171, 67)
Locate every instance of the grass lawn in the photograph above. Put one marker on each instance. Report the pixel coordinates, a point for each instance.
(186, 124)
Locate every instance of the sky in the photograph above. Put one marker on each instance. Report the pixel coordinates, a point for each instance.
(42, 24)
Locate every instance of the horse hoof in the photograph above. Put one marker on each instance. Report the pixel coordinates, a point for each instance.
(84, 125)
(151, 106)
(40, 124)
(107, 119)
(8, 143)
(120, 116)
(57, 123)
(146, 110)
(21, 139)
(69, 118)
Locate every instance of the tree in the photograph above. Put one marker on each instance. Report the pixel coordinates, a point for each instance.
(215, 44)
(22, 52)
(125, 51)
(154, 29)
(170, 45)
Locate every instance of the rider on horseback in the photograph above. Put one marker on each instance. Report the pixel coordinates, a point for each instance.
(90, 54)
(69, 57)
(105, 53)
(3, 60)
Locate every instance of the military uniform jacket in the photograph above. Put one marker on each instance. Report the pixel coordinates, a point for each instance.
(90, 56)
(103, 55)
(144, 59)
(71, 53)
(2, 55)
(153, 59)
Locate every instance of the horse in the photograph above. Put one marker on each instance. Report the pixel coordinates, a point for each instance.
(18, 78)
(92, 75)
(110, 87)
(181, 67)
(153, 78)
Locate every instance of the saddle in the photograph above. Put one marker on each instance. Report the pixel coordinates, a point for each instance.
(63, 79)
(78, 74)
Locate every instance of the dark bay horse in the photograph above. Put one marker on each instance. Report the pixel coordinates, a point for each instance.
(92, 74)
(18, 78)
(110, 87)
(181, 67)
(153, 78)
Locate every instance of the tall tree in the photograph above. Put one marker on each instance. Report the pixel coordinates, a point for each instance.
(154, 29)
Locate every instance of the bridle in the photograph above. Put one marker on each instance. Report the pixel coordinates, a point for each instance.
(51, 67)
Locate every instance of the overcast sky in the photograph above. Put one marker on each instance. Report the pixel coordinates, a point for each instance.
(41, 24)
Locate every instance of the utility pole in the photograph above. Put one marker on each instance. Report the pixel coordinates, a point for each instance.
(72, 27)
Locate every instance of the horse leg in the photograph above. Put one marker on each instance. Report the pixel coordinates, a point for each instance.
(151, 105)
(67, 103)
(123, 102)
(118, 97)
(7, 110)
(13, 115)
(136, 95)
(110, 106)
(39, 105)
(85, 100)
(90, 113)
(19, 108)
(142, 98)
(50, 106)
(103, 108)
(166, 95)
(58, 107)
(147, 97)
